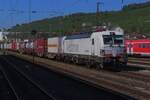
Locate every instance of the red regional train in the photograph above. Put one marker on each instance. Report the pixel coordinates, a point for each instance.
(139, 47)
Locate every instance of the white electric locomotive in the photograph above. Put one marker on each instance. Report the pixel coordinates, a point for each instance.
(97, 48)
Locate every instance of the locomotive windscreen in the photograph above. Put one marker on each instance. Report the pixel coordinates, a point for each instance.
(115, 39)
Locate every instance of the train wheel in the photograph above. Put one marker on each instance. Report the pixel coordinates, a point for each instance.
(58, 58)
(124, 65)
(88, 65)
(66, 60)
(76, 60)
(99, 66)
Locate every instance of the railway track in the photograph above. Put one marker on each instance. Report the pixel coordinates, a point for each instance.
(139, 58)
(136, 76)
(6, 88)
(140, 62)
(23, 87)
(64, 88)
(126, 82)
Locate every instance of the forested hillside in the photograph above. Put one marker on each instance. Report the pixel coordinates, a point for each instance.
(133, 18)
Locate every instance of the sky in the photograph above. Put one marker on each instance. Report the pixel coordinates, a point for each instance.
(14, 12)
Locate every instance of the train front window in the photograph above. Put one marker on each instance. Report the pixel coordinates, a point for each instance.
(118, 39)
(113, 39)
(107, 39)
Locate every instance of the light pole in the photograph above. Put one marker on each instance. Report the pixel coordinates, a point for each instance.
(122, 4)
(50, 22)
(98, 4)
(34, 33)
(4, 45)
(29, 11)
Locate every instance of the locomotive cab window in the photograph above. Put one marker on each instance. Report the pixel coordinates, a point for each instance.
(107, 39)
(116, 39)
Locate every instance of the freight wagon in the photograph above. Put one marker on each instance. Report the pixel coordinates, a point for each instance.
(5, 46)
(8, 46)
(15, 46)
(55, 47)
(22, 47)
(1, 45)
(28, 47)
(40, 47)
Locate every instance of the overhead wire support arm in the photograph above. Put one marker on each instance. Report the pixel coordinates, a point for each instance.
(98, 11)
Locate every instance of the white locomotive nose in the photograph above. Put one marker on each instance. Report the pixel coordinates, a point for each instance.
(114, 52)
